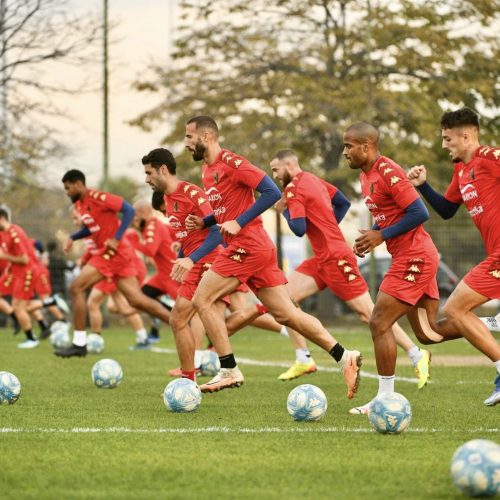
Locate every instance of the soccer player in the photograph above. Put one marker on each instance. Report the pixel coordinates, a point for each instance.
(314, 207)
(476, 184)
(249, 257)
(156, 243)
(399, 214)
(99, 214)
(197, 252)
(19, 251)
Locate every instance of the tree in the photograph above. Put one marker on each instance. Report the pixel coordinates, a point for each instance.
(295, 73)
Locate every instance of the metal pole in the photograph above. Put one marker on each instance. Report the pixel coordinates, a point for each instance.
(5, 103)
(105, 90)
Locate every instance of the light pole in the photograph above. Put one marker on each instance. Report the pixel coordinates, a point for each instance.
(105, 91)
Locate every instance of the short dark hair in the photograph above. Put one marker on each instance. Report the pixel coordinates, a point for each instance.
(460, 118)
(158, 157)
(284, 153)
(4, 214)
(157, 200)
(204, 121)
(74, 176)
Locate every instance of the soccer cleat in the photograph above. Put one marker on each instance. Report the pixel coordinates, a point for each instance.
(61, 304)
(141, 346)
(71, 351)
(152, 339)
(350, 371)
(177, 372)
(299, 369)
(423, 369)
(492, 323)
(360, 410)
(495, 395)
(225, 379)
(28, 344)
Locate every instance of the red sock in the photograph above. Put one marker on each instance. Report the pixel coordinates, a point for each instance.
(261, 308)
(191, 375)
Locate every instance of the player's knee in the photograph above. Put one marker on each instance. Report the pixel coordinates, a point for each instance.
(201, 304)
(177, 321)
(452, 312)
(364, 317)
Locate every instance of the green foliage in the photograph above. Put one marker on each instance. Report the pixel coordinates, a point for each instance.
(294, 74)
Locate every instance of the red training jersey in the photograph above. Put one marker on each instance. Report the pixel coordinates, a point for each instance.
(387, 192)
(477, 185)
(185, 200)
(157, 243)
(99, 213)
(229, 183)
(16, 242)
(310, 197)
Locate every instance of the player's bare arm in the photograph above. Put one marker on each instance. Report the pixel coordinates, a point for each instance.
(417, 175)
(112, 243)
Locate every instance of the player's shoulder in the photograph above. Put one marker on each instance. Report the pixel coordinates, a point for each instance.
(232, 159)
(95, 194)
(389, 171)
(488, 153)
(193, 193)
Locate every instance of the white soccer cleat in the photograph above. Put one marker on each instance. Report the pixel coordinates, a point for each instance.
(495, 395)
(360, 410)
(227, 378)
(492, 323)
(28, 344)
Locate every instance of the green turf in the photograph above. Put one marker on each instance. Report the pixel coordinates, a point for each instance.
(241, 443)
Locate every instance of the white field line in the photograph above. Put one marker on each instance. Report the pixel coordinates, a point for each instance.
(225, 430)
(284, 364)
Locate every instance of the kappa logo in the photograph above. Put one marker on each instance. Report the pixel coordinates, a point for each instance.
(495, 273)
(193, 192)
(414, 269)
(201, 200)
(410, 278)
(186, 188)
(387, 170)
(237, 163)
(342, 262)
(289, 194)
(395, 180)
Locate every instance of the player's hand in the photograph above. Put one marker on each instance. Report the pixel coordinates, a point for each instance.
(280, 205)
(368, 240)
(3, 255)
(180, 268)
(229, 228)
(194, 222)
(68, 244)
(112, 243)
(417, 175)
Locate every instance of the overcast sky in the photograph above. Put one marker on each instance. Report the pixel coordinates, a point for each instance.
(142, 34)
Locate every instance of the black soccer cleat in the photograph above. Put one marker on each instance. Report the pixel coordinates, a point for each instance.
(45, 333)
(72, 350)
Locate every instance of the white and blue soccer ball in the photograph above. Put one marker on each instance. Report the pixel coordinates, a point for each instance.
(390, 413)
(95, 343)
(182, 396)
(107, 373)
(210, 364)
(10, 388)
(59, 337)
(475, 468)
(307, 403)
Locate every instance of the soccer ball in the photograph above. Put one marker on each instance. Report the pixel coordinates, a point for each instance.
(475, 468)
(307, 402)
(95, 343)
(59, 338)
(390, 413)
(210, 364)
(10, 388)
(182, 396)
(107, 373)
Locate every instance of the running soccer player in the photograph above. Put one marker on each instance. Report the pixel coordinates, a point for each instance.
(19, 251)
(250, 256)
(399, 214)
(99, 214)
(197, 252)
(476, 184)
(314, 207)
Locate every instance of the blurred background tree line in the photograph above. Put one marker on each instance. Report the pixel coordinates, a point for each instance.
(275, 74)
(294, 74)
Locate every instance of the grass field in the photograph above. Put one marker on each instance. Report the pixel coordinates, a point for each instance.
(65, 438)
